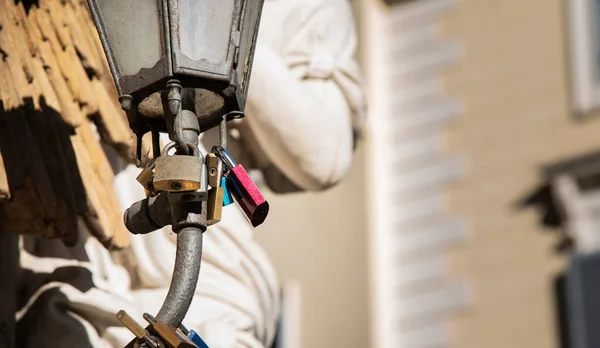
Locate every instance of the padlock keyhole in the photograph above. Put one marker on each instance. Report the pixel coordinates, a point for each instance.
(176, 185)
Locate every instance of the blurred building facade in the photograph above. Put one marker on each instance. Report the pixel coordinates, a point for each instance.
(481, 167)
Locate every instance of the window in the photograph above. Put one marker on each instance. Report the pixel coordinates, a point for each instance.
(576, 188)
(584, 41)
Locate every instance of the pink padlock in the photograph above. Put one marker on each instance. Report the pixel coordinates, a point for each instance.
(252, 202)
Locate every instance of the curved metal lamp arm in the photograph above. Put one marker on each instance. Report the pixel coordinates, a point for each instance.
(186, 212)
(185, 277)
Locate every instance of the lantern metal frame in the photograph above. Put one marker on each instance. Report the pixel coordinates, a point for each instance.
(229, 78)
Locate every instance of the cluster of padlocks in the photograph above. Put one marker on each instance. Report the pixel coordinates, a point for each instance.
(221, 181)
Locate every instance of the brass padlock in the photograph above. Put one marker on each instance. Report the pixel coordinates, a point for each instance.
(177, 173)
(215, 169)
(214, 206)
(173, 337)
(146, 177)
(141, 334)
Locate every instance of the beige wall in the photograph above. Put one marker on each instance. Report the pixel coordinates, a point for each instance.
(514, 81)
(319, 240)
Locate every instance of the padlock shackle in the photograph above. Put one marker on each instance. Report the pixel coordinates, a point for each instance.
(224, 156)
(195, 150)
(223, 133)
(233, 115)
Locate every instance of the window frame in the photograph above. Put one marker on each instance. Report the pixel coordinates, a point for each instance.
(577, 204)
(585, 75)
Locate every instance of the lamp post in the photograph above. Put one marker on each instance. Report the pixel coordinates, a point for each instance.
(174, 48)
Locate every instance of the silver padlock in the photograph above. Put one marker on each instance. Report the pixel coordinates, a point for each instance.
(179, 173)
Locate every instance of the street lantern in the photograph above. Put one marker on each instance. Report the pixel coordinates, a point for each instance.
(175, 47)
(201, 44)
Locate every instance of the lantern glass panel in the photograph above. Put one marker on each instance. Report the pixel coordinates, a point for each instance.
(134, 31)
(205, 29)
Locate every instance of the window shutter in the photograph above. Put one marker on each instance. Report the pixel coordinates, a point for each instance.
(413, 297)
